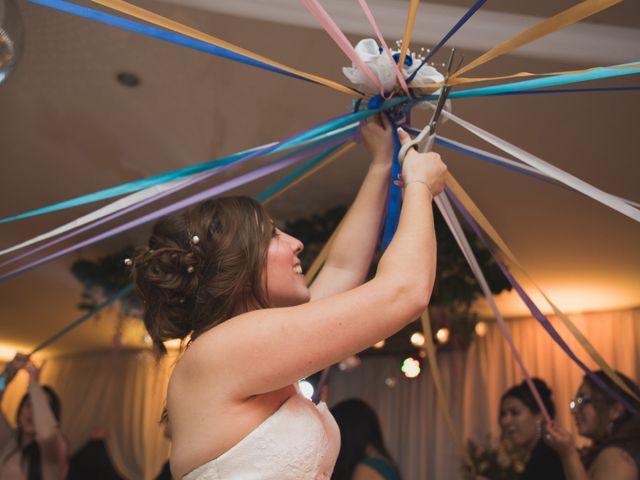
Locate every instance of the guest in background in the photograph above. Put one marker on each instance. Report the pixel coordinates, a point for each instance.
(92, 461)
(363, 454)
(36, 450)
(613, 428)
(521, 425)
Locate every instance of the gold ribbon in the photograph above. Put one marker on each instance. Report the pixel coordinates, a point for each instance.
(437, 381)
(495, 237)
(166, 23)
(320, 259)
(561, 20)
(408, 31)
(334, 156)
(466, 80)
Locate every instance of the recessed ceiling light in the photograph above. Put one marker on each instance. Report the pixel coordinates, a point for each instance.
(128, 79)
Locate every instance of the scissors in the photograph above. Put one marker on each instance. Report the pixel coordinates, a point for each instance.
(424, 140)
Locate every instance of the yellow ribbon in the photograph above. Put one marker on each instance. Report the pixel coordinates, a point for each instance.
(437, 381)
(155, 19)
(561, 20)
(408, 31)
(495, 237)
(466, 80)
(320, 259)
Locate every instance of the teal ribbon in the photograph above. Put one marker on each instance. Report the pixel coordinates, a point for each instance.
(542, 82)
(301, 170)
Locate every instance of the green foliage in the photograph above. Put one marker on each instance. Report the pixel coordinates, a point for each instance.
(104, 277)
(455, 287)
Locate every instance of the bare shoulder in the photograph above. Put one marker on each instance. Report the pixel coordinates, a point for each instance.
(365, 472)
(614, 462)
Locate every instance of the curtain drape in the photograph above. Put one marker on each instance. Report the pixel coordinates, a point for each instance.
(122, 392)
(474, 380)
(125, 393)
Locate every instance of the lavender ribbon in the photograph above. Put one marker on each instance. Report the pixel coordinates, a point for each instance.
(535, 311)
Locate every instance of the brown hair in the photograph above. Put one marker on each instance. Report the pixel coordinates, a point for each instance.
(603, 400)
(190, 285)
(624, 432)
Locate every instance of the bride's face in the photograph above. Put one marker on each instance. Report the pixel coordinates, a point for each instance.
(283, 278)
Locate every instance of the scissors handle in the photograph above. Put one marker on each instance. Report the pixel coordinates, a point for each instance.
(422, 143)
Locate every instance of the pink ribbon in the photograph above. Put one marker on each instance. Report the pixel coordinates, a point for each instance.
(374, 25)
(341, 40)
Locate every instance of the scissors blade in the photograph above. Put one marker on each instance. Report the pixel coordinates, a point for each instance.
(444, 93)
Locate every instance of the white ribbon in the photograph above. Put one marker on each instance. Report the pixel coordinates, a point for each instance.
(551, 171)
(138, 197)
(442, 201)
(101, 212)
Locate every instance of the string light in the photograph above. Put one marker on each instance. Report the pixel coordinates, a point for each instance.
(417, 339)
(410, 367)
(379, 345)
(481, 329)
(443, 335)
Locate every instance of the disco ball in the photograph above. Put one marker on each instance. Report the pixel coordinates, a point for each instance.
(11, 37)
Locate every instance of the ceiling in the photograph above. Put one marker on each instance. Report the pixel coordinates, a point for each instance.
(67, 127)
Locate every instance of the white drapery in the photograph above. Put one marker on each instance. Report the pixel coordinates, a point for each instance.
(414, 428)
(125, 392)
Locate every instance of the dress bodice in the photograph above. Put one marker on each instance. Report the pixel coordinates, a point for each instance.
(299, 441)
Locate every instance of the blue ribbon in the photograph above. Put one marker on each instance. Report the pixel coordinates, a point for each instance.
(322, 129)
(156, 32)
(476, 6)
(552, 81)
(156, 180)
(568, 90)
(76, 323)
(460, 148)
(535, 311)
(129, 288)
(394, 202)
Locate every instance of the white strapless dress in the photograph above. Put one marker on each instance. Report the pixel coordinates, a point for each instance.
(299, 441)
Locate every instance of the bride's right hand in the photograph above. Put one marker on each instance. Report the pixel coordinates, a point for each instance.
(426, 168)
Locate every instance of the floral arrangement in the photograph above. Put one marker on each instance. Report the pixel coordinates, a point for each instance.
(378, 61)
(494, 461)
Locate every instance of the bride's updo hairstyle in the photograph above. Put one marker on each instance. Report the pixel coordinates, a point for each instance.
(202, 267)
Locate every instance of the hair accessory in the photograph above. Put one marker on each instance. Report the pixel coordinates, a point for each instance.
(190, 269)
(128, 262)
(195, 240)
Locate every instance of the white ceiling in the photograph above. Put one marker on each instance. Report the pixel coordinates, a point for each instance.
(68, 128)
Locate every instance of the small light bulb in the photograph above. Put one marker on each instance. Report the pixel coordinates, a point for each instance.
(417, 339)
(443, 335)
(481, 329)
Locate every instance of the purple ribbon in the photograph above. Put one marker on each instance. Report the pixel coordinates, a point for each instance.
(535, 311)
(216, 190)
(198, 178)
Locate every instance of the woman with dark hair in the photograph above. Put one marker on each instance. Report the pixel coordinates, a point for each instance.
(612, 427)
(37, 450)
(363, 454)
(223, 275)
(521, 425)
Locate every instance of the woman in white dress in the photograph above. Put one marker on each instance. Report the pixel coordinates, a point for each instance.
(225, 275)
